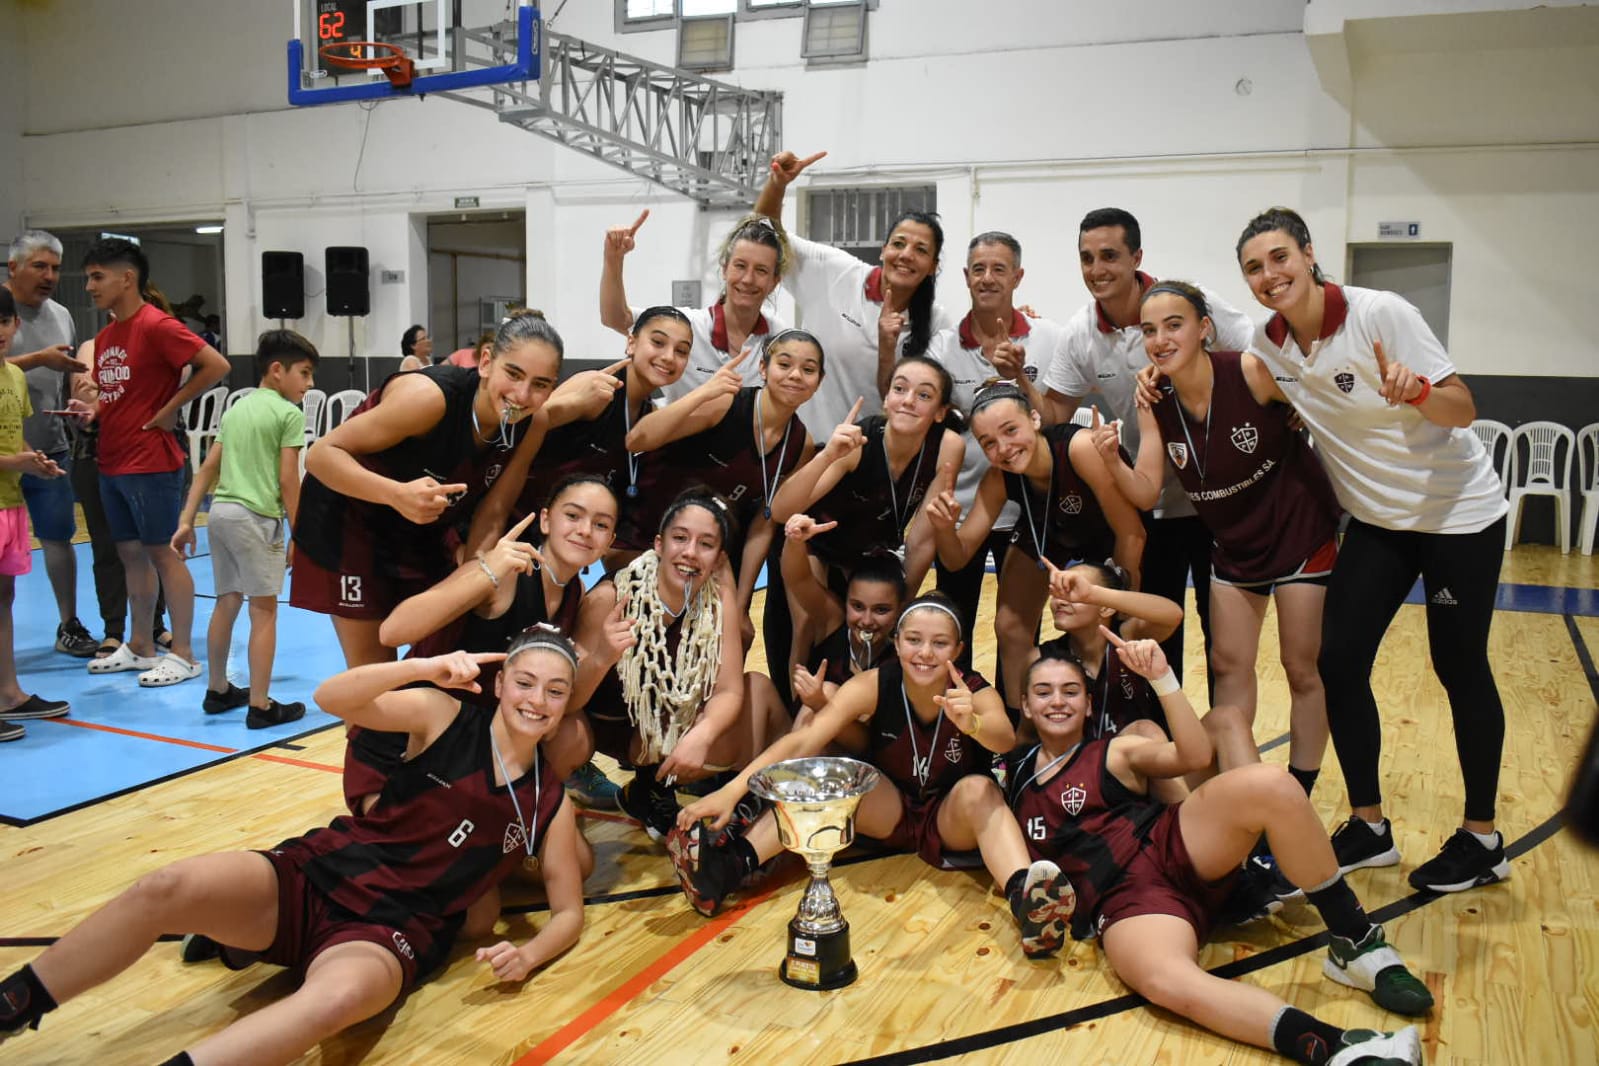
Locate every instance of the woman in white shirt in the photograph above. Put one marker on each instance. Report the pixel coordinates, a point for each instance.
(1391, 421)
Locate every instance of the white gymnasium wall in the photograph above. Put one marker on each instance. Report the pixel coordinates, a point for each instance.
(1193, 116)
(13, 112)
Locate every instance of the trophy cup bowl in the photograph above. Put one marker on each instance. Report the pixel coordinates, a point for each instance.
(814, 801)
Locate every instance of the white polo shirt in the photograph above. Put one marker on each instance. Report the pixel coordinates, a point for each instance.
(710, 348)
(1097, 356)
(1389, 466)
(840, 299)
(962, 355)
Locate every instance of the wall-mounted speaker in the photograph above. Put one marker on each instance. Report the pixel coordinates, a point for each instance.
(349, 281)
(282, 285)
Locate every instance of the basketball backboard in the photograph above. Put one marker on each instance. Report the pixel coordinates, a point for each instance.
(445, 54)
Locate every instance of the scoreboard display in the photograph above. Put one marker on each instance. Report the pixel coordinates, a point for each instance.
(337, 21)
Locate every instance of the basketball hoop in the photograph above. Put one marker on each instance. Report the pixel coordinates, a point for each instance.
(356, 55)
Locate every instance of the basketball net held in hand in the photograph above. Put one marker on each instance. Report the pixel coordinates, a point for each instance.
(664, 693)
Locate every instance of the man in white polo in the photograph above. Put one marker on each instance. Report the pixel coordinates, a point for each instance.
(1102, 352)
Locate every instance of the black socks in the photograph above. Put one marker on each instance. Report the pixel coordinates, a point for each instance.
(1340, 909)
(23, 1000)
(744, 853)
(1302, 1038)
(1013, 890)
(180, 1059)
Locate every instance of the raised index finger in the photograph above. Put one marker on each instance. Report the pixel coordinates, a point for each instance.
(808, 160)
(618, 365)
(484, 657)
(1113, 638)
(644, 214)
(854, 412)
(1382, 360)
(955, 675)
(1094, 410)
(516, 531)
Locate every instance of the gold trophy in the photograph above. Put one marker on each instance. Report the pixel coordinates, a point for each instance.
(814, 800)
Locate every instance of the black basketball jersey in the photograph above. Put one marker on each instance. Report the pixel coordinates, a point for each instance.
(835, 648)
(442, 834)
(585, 446)
(923, 759)
(1082, 819)
(1069, 516)
(871, 508)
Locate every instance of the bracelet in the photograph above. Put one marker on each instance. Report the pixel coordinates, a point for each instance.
(494, 578)
(977, 724)
(1166, 683)
(1426, 391)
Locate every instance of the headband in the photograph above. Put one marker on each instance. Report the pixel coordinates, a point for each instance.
(935, 605)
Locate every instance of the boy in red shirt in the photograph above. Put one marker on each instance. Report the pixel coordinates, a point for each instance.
(139, 360)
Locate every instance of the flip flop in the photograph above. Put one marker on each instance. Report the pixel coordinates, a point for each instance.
(120, 660)
(108, 646)
(169, 669)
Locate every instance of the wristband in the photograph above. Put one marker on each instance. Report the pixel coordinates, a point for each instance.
(488, 572)
(1166, 683)
(1426, 391)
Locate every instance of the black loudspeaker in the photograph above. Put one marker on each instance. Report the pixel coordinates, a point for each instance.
(349, 282)
(282, 285)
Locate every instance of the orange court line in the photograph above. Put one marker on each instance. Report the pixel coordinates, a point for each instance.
(285, 760)
(624, 993)
(142, 736)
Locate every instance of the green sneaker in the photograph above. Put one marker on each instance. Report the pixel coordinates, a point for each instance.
(1372, 966)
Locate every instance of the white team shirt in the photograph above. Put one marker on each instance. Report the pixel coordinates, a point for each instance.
(962, 355)
(1097, 356)
(1389, 466)
(710, 348)
(830, 289)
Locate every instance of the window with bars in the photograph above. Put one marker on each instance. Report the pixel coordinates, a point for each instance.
(858, 220)
(835, 27)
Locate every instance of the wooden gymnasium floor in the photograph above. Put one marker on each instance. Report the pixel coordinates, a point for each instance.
(942, 977)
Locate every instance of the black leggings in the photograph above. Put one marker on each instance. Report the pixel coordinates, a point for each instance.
(965, 587)
(1174, 549)
(1376, 569)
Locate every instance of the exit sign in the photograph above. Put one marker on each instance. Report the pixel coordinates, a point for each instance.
(1399, 231)
(465, 201)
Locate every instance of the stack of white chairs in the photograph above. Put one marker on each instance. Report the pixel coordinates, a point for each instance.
(204, 418)
(1495, 437)
(1588, 485)
(312, 405)
(1546, 471)
(339, 406)
(235, 396)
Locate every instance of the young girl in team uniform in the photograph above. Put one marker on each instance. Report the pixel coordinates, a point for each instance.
(857, 496)
(933, 733)
(363, 909)
(671, 692)
(1071, 510)
(385, 489)
(739, 442)
(1391, 420)
(1149, 877)
(1221, 423)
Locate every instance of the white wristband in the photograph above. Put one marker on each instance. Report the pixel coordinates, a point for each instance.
(1166, 683)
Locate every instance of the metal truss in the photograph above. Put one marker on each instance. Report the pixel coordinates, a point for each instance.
(706, 139)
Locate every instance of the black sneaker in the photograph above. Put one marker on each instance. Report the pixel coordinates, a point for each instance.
(36, 707)
(649, 803)
(1356, 846)
(197, 947)
(1372, 966)
(74, 640)
(1251, 898)
(1463, 863)
(231, 700)
(1279, 886)
(11, 731)
(274, 713)
(707, 870)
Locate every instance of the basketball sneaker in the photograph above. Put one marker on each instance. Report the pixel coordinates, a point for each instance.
(72, 639)
(1357, 845)
(1264, 865)
(649, 803)
(1043, 908)
(706, 871)
(1365, 1047)
(589, 786)
(1372, 966)
(1252, 898)
(1463, 863)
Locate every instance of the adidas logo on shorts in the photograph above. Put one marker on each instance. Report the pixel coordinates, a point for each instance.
(1444, 598)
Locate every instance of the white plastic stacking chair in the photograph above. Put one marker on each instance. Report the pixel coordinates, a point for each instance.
(338, 408)
(1588, 484)
(312, 405)
(1495, 437)
(235, 396)
(1084, 416)
(204, 419)
(1546, 471)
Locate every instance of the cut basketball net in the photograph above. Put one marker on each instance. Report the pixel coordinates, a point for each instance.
(372, 55)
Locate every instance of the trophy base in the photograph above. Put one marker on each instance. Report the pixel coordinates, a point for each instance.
(818, 962)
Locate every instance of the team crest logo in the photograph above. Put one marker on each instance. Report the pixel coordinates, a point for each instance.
(1071, 503)
(1127, 686)
(492, 473)
(1345, 381)
(1031, 372)
(1245, 437)
(954, 750)
(403, 945)
(515, 837)
(1073, 799)
(1178, 452)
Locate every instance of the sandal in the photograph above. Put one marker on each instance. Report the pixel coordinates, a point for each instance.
(169, 669)
(120, 660)
(163, 640)
(108, 646)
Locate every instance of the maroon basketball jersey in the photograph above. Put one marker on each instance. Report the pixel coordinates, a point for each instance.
(872, 508)
(1082, 819)
(1256, 484)
(583, 446)
(1072, 524)
(923, 759)
(1119, 696)
(442, 834)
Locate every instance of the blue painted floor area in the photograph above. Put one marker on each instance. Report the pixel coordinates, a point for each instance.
(59, 766)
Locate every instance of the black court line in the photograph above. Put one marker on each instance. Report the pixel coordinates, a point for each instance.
(1582, 655)
(243, 753)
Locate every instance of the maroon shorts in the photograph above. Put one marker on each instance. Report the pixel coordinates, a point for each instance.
(1161, 880)
(349, 593)
(309, 923)
(917, 830)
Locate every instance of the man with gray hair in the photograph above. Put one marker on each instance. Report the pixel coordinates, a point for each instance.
(45, 347)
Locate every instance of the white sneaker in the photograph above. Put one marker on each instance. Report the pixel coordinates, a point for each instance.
(1367, 1048)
